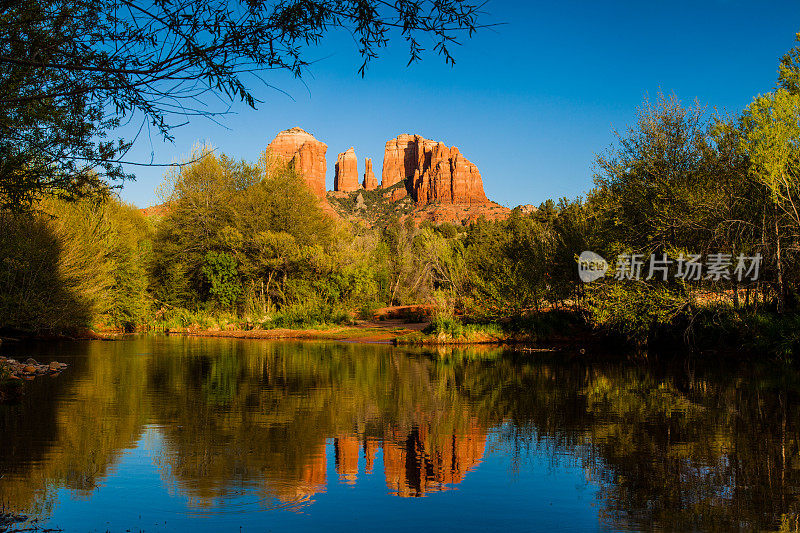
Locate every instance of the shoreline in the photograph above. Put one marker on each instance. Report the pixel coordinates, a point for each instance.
(396, 333)
(366, 333)
(342, 334)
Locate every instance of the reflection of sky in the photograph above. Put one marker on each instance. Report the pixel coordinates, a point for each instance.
(542, 494)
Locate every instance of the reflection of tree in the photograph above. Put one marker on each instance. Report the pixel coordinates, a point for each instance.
(71, 429)
(680, 450)
(672, 449)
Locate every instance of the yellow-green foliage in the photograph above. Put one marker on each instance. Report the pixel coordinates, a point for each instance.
(71, 265)
(252, 239)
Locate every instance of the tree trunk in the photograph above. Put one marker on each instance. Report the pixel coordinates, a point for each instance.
(778, 260)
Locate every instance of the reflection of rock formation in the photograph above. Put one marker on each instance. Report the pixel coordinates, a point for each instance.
(415, 462)
(370, 449)
(708, 451)
(312, 480)
(347, 451)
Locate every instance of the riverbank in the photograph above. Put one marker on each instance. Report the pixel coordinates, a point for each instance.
(388, 333)
(707, 330)
(409, 327)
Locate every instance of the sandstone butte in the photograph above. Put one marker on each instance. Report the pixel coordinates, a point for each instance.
(346, 176)
(433, 173)
(443, 184)
(370, 183)
(307, 154)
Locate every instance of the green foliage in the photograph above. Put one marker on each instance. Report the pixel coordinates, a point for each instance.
(305, 316)
(373, 206)
(131, 251)
(772, 142)
(450, 328)
(635, 311)
(524, 263)
(234, 233)
(221, 272)
(249, 240)
(753, 332)
(553, 324)
(72, 265)
(446, 325)
(789, 69)
(178, 318)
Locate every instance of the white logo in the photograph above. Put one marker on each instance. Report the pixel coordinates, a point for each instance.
(718, 267)
(591, 266)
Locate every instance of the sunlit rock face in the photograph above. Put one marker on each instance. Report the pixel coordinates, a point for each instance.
(370, 182)
(307, 154)
(346, 179)
(444, 185)
(399, 159)
(433, 172)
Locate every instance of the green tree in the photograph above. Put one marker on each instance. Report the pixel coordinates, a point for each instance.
(71, 265)
(772, 142)
(221, 273)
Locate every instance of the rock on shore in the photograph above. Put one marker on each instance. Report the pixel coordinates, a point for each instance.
(30, 368)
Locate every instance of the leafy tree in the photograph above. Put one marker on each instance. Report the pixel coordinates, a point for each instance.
(649, 188)
(789, 69)
(73, 265)
(508, 264)
(772, 142)
(221, 273)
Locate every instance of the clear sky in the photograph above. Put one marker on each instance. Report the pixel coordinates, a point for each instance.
(529, 102)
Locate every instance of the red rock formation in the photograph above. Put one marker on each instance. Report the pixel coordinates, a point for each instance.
(433, 172)
(346, 178)
(299, 148)
(399, 160)
(370, 183)
(395, 194)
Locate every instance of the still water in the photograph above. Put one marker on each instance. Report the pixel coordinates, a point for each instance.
(168, 434)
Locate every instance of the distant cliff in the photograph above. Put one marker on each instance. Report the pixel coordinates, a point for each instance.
(420, 178)
(300, 149)
(431, 171)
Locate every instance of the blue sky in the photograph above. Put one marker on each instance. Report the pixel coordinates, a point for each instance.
(530, 102)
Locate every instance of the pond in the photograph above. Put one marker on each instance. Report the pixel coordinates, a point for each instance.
(156, 433)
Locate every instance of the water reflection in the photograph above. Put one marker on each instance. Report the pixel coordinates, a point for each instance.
(267, 411)
(689, 447)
